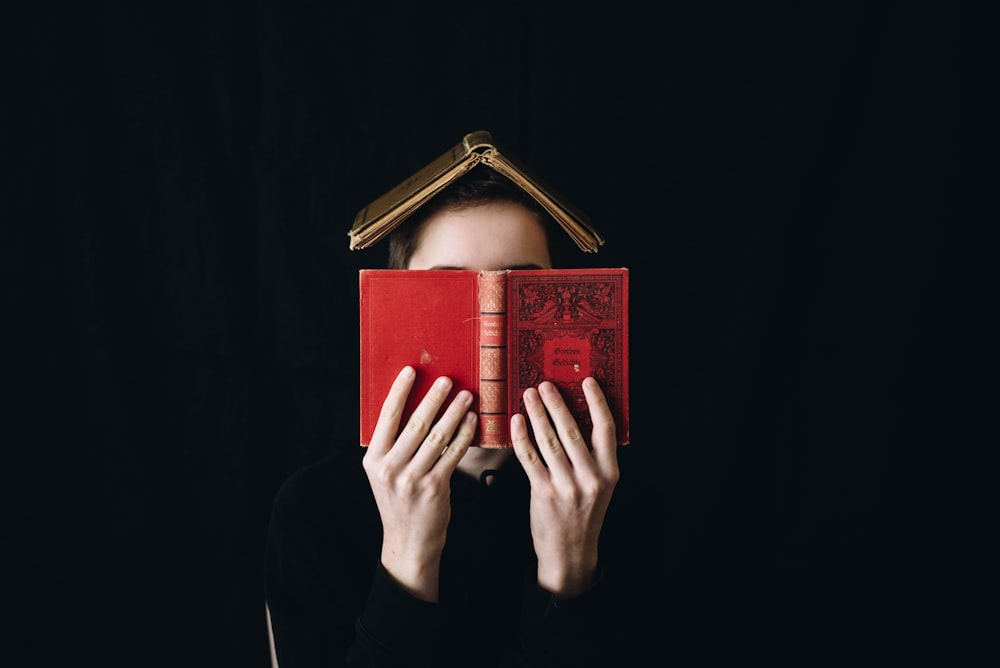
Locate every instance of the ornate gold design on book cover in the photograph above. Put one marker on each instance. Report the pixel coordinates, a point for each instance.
(493, 364)
(565, 330)
(493, 397)
(493, 292)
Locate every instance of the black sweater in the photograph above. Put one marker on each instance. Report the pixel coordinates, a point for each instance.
(331, 604)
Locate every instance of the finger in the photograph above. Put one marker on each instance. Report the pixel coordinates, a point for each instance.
(387, 425)
(525, 450)
(546, 438)
(443, 433)
(452, 454)
(604, 438)
(562, 417)
(421, 420)
(570, 436)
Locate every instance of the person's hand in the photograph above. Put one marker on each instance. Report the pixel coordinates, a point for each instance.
(571, 485)
(410, 477)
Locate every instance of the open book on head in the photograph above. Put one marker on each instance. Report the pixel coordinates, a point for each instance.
(384, 214)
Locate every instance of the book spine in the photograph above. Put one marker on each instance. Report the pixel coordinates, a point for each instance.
(493, 417)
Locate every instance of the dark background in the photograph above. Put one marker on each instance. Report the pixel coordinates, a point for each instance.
(179, 321)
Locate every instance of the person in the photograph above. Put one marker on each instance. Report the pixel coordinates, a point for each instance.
(421, 550)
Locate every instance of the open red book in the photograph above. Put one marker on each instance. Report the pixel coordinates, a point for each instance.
(496, 333)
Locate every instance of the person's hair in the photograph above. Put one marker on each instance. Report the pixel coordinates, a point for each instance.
(481, 186)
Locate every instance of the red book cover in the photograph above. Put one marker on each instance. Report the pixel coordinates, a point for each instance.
(496, 333)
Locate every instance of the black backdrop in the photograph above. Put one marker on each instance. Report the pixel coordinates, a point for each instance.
(180, 303)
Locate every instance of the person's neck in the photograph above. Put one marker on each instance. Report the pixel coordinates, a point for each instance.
(477, 460)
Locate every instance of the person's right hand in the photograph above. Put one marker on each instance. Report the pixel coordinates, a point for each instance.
(410, 475)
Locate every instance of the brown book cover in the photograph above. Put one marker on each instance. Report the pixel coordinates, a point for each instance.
(496, 333)
(385, 213)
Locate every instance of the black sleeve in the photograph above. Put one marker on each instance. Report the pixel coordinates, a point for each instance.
(570, 632)
(397, 629)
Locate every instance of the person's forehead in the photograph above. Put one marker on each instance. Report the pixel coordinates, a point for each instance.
(492, 236)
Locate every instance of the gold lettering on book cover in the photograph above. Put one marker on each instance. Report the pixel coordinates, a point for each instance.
(548, 355)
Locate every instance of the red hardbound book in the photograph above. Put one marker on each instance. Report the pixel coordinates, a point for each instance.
(496, 333)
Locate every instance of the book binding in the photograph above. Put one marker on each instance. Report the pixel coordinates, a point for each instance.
(493, 415)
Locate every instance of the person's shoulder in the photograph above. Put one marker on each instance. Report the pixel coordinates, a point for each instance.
(324, 516)
(323, 487)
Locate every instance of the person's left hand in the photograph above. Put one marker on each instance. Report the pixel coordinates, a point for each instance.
(571, 484)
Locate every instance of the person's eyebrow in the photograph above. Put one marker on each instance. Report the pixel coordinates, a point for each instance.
(531, 265)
